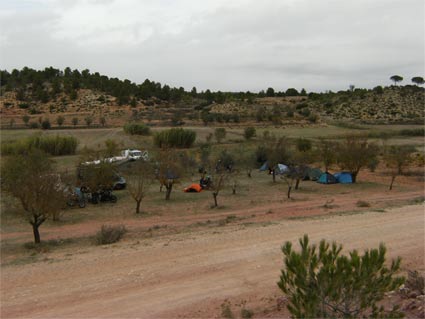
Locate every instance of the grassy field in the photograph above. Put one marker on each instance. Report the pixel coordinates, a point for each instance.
(95, 137)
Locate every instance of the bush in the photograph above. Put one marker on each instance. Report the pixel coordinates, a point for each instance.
(362, 203)
(220, 134)
(304, 145)
(412, 132)
(137, 129)
(226, 310)
(53, 145)
(320, 283)
(246, 313)
(45, 125)
(110, 234)
(313, 118)
(34, 125)
(249, 132)
(23, 105)
(175, 137)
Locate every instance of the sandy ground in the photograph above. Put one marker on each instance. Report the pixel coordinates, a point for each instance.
(190, 274)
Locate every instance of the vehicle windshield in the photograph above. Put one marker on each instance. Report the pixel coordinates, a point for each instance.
(137, 153)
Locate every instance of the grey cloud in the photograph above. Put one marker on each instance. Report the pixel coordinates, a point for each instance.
(244, 45)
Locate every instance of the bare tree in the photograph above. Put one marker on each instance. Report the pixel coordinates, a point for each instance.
(326, 153)
(397, 158)
(31, 179)
(277, 152)
(245, 159)
(102, 120)
(168, 170)
(139, 178)
(219, 180)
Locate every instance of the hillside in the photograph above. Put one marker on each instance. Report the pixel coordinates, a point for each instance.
(82, 98)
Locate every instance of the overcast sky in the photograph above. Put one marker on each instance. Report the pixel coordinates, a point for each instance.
(228, 45)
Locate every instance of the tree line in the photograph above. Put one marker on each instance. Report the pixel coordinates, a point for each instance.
(45, 85)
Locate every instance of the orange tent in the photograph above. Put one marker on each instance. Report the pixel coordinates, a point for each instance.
(194, 188)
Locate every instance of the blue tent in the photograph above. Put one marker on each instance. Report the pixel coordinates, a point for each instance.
(327, 178)
(264, 167)
(344, 177)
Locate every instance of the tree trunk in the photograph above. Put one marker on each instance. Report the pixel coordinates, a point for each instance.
(392, 181)
(249, 173)
(297, 183)
(289, 191)
(36, 233)
(55, 217)
(138, 202)
(169, 188)
(274, 176)
(354, 176)
(215, 199)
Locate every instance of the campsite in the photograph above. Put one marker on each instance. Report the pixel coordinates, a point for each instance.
(188, 234)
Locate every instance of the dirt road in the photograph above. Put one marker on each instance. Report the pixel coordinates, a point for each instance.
(190, 274)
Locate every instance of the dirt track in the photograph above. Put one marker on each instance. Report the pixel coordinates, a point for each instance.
(190, 274)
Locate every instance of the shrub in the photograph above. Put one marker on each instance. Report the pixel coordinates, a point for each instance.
(362, 203)
(416, 282)
(226, 311)
(34, 125)
(23, 105)
(246, 313)
(175, 137)
(110, 234)
(220, 134)
(304, 145)
(249, 132)
(45, 125)
(320, 283)
(53, 145)
(412, 132)
(137, 129)
(313, 118)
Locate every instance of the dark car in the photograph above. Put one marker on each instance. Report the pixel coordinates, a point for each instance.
(119, 182)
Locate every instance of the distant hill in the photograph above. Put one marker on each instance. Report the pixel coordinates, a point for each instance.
(73, 94)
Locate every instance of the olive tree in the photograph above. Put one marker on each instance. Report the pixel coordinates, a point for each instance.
(320, 282)
(32, 180)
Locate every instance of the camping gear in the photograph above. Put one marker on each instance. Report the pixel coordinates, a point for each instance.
(313, 174)
(327, 178)
(103, 195)
(205, 182)
(282, 169)
(344, 177)
(76, 197)
(194, 188)
(264, 167)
